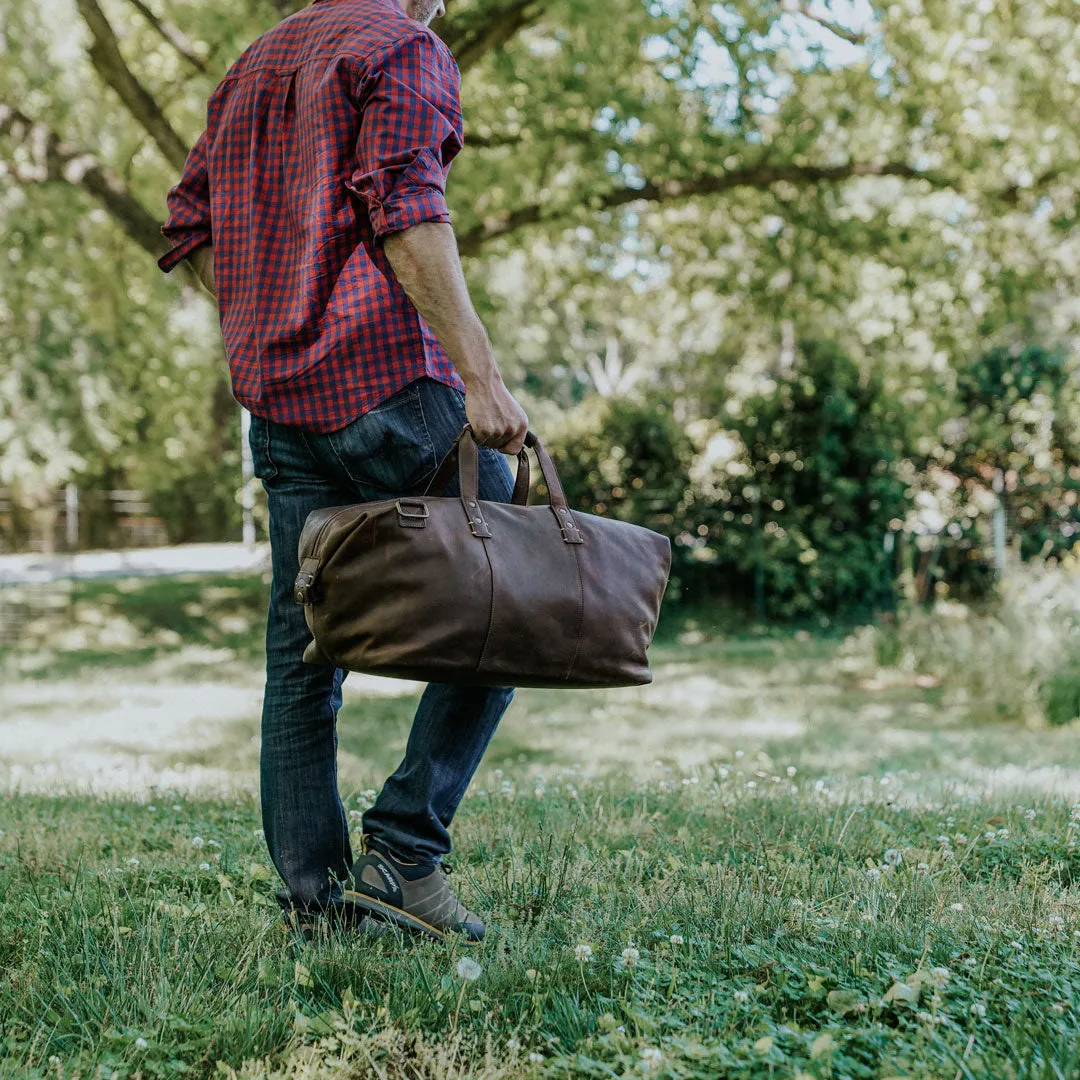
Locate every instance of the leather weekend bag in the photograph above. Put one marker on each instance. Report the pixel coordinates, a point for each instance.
(465, 590)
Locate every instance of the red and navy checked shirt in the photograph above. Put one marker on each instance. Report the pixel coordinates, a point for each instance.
(334, 128)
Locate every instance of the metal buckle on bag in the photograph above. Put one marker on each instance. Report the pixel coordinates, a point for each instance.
(304, 588)
(411, 513)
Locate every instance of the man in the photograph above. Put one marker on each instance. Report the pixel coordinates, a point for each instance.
(313, 208)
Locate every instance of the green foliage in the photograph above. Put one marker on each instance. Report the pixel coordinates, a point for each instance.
(719, 116)
(1017, 417)
(631, 460)
(799, 506)
(818, 489)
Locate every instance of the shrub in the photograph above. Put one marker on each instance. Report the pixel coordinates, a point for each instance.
(1013, 661)
(809, 508)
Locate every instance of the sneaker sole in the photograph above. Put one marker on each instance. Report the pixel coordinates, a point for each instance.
(403, 918)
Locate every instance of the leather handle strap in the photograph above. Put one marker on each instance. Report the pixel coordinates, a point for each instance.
(466, 455)
(570, 531)
(449, 466)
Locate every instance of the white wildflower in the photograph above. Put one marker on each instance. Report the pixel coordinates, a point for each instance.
(741, 997)
(893, 858)
(535, 1058)
(260, 833)
(204, 866)
(978, 1009)
(960, 838)
(630, 956)
(468, 969)
(873, 873)
(141, 1043)
(513, 1045)
(651, 1057)
(791, 770)
(177, 806)
(676, 939)
(1058, 1007)
(198, 841)
(151, 808)
(133, 861)
(940, 975)
(1031, 815)
(583, 953)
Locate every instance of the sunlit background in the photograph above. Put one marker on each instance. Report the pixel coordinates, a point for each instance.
(794, 283)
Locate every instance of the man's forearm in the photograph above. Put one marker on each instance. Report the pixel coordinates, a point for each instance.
(202, 261)
(426, 262)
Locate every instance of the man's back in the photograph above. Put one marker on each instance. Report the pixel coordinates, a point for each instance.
(333, 129)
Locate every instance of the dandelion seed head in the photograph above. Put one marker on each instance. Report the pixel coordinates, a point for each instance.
(468, 969)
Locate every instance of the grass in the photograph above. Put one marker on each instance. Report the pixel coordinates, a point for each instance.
(778, 872)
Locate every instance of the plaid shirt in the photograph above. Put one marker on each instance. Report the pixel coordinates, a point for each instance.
(334, 128)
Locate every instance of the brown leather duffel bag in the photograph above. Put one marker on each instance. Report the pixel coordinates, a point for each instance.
(464, 590)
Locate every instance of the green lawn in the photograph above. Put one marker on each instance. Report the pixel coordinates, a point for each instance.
(778, 870)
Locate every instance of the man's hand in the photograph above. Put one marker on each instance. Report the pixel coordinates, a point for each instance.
(496, 419)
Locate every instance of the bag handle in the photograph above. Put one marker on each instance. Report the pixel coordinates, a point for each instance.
(449, 465)
(468, 461)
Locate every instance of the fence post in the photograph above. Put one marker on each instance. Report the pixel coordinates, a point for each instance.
(71, 516)
(759, 559)
(999, 523)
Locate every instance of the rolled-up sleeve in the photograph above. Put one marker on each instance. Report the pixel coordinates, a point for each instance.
(188, 224)
(410, 132)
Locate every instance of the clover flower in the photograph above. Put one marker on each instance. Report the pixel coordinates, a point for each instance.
(583, 953)
(676, 939)
(651, 1058)
(630, 956)
(198, 841)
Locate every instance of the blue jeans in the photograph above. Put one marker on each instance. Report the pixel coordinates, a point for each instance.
(390, 451)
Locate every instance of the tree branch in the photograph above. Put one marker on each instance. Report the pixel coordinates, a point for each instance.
(470, 38)
(761, 176)
(173, 35)
(109, 64)
(840, 31)
(52, 159)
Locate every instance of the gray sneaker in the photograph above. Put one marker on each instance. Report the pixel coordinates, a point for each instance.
(411, 895)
